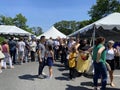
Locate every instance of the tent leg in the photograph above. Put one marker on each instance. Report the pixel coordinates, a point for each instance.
(94, 28)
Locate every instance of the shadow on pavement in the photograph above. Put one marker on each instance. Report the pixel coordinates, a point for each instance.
(112, 88)
(99, 84)
(87, 84)
(90, 84)
(65, 74)
(58, 65)
(70, 87)
(28, 77)
(62, 69)
(88, 76)
(61, 78)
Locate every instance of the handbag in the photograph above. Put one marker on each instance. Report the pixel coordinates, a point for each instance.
(2, 56)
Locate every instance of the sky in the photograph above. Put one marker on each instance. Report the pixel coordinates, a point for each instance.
(45, 13)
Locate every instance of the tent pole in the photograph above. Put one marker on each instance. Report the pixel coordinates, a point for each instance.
(94, 28)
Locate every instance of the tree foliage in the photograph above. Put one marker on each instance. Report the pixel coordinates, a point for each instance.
(102, 8)
(37, 30)
(82, 24)
(68, 27)
(19, 20)
(6, 20)
(65, 27)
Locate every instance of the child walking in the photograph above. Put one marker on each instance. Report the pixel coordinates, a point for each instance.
(72, 63)
(50, 60)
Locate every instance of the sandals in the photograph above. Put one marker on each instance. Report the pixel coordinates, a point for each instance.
(112, 84)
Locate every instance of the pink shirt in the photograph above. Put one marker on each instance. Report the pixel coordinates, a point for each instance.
(4, 48)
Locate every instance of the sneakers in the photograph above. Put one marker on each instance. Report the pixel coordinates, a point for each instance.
(4, 67)
(43, 73)
(41, 76)
(48, 77)
(73, 79)
(96, 88)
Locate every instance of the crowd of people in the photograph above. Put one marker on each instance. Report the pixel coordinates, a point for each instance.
(75, 54)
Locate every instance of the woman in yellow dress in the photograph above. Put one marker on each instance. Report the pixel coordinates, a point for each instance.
(84, 57)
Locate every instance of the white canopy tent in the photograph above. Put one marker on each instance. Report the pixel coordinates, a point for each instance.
(52, 32)
(13, 30)
(107, 23)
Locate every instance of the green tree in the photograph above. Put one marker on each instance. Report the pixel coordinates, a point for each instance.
(37, 30)
(66, 27)
(1, 39)
(20, 21)
(6, 20)
(102, 8)
(81, 24)
(2, 20)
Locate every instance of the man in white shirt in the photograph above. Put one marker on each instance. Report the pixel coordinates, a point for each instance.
(21, 48)
(33, 46)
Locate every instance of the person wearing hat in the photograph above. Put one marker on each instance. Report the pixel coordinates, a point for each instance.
(110, 54)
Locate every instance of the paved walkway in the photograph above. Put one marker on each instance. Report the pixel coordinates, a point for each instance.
(24, 77)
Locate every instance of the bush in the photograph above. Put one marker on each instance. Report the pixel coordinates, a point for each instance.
(1, 39)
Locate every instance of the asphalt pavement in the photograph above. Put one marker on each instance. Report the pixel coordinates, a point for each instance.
(24, 77)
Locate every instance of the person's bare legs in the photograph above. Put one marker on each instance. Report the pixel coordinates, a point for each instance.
(0, 67)
(111, 78)
(50, 71)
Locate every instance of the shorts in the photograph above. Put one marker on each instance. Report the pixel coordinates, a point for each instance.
(111, 63)
(21, 54)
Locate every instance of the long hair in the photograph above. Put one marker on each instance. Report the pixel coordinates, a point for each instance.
(99, 40)
(50, 47)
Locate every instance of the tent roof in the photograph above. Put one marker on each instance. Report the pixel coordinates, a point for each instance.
(52, 32)
(13, 30)
(108, 23)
